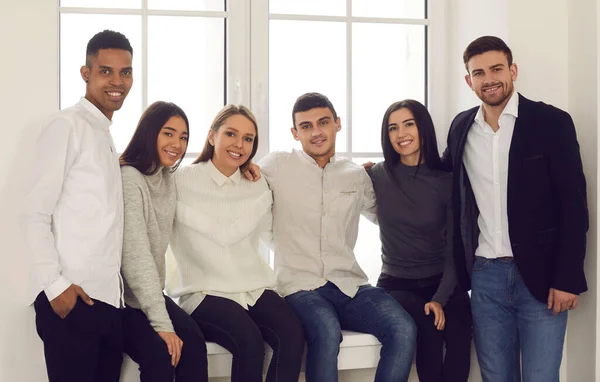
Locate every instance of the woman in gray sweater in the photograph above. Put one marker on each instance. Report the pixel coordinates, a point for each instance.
(415, 221)
(163, 339)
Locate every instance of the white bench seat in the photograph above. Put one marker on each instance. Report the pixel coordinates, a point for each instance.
(357, 351)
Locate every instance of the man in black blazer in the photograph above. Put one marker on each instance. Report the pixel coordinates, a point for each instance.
(520, 218)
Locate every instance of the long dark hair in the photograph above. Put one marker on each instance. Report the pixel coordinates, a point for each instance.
(226, 112)
(141, 151)
(428, 153)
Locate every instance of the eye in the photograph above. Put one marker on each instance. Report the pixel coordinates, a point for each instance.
(249, 139)
(392, 128)
(184, 138)
(104, 71)
(229, 134)
(126, 73)
(168, 134)
(410, 124)
(304, 127)
(324, 123)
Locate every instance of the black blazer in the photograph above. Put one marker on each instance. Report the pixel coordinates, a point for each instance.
(547, 209)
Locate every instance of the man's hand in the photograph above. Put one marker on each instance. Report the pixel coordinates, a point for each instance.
(64, 302)
(368, 166)
(438, 312)
(174, 345)
(251, 171)
(560, 301)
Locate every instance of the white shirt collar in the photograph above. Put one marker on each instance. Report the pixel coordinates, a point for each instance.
(311, 159)
(90, 107)
(218, 176)
(511, 108)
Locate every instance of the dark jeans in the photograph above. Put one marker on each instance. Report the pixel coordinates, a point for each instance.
(325, 311)
(243, 333)
(145, 347)
(85, 346)
(432, 366)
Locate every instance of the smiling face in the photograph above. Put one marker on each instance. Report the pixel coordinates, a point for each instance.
(108, 79)
(172, 141)
(404, 136)
(233, 142)
(491, 77)
(316, 130)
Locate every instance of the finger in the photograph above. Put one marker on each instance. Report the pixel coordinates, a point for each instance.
(179, 345)
(171, 349)
(575, 302)
(442, 323)
(550, 299)
(568, 304)
(427, 309)
(557, 307)
(436, 314)
(248, 175)
(84, 296)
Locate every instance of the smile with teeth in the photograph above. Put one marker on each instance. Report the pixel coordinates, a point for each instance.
(234, 155)
(405, 143)
(172, 153)
(491, 89)
(114, 94)
(318, 141)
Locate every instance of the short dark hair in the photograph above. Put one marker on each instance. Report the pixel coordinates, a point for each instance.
(310, 101)
(486, 44)
(228, 111)
(428, 153)
(141, 152)
(106, 39)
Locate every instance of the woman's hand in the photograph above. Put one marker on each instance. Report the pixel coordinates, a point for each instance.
(438, 312)
(174, 345)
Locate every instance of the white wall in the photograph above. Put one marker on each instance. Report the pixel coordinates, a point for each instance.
(29, 72)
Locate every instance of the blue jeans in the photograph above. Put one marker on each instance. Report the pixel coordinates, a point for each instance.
(509, 323)
(325, 311)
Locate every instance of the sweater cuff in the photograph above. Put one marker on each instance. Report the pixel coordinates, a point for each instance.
(57, 288)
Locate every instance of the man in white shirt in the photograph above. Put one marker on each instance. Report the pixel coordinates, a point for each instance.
(318, 199)
(519, 199)
(73, 222)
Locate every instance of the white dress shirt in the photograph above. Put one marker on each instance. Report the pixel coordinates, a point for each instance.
(315, 220)
(73, 214)
(486, 161)
(219, 222)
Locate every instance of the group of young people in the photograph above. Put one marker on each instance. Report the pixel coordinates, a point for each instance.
(502, 213)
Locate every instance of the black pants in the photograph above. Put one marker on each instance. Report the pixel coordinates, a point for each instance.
(243, 333)
(457, 335)
(85, 346)
(144, 346)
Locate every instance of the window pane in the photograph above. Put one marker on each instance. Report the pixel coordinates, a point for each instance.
(383, 74)
(188, 74)
(309, 7)
(75, 32)
(295, 70)
(405, 9)
(368, 244)
(187, 5)
(124, 4)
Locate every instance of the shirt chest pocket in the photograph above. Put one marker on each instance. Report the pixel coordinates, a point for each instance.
(348, 201)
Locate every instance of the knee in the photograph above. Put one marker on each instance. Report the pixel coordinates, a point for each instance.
(325, 335)
(251, 345)
(403, 333)
(158, 365)
(194, 344)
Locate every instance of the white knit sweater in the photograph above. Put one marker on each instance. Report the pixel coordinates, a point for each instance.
(218, 224)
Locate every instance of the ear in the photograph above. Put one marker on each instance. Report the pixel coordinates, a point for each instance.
(211, 137)
(338, 124)
(295, 133)
(468, 80)
(85, 73)
(514, 71)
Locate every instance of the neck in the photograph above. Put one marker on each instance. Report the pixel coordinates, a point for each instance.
(225, 170)
(323, 159)
(491, 114)
(410, 160)
(107, 114)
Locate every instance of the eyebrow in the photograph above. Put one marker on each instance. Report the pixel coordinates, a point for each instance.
(172, 129)
(110, 67)
(237, 131)
(406, 120)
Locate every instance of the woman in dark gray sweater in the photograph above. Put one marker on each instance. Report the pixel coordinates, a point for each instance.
(414, 214)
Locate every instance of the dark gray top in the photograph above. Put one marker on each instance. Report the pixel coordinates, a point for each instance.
(415, 222)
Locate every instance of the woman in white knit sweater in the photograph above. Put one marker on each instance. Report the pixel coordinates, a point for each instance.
(224, 283)
(163, 339)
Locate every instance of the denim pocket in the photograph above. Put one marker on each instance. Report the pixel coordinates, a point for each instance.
(480, 264)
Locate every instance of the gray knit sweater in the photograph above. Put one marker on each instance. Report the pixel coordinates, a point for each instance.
(149, 203)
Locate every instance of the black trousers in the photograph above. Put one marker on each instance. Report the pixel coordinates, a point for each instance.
(243, 333)
(85, 346)
(432, 366)
(144, 346)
